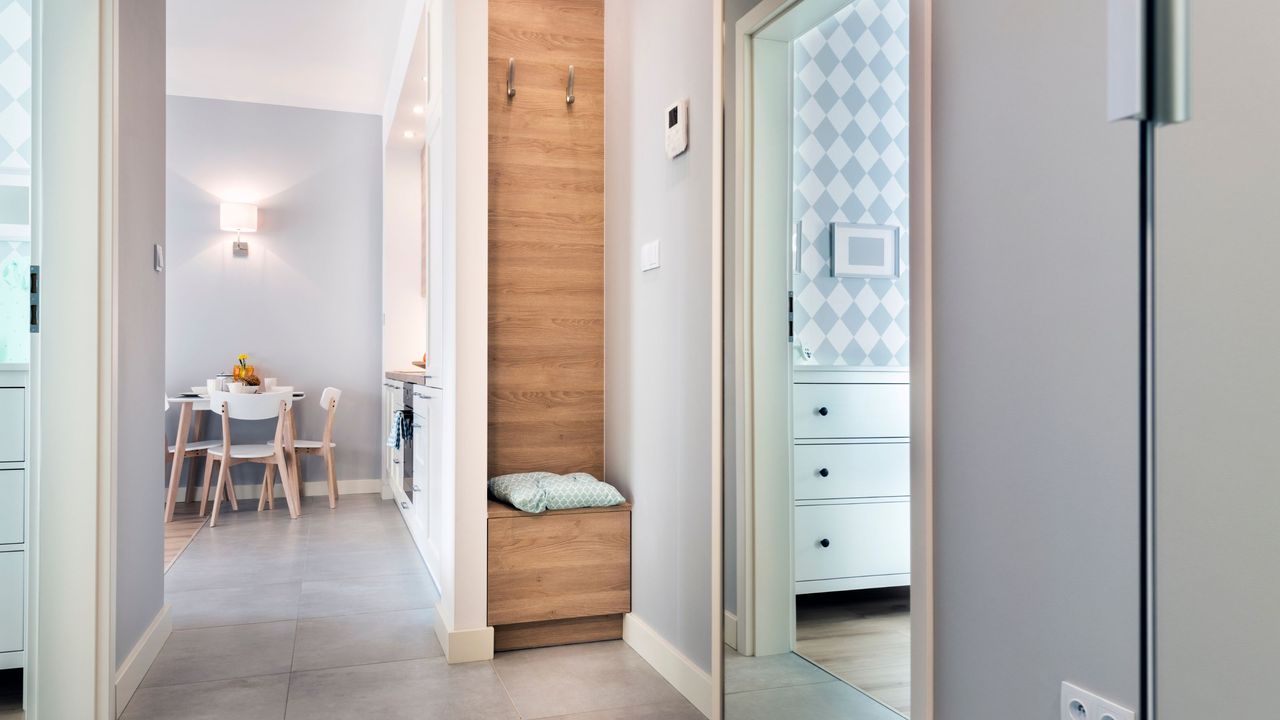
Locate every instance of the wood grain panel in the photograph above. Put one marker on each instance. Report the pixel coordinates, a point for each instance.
(557, 632)
(558, 565)
(546, 238)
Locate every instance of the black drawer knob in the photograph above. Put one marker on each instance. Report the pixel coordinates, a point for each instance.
(823, 411)
(824, 472)
(824, 542)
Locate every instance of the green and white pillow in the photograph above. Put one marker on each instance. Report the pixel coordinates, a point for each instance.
(536, 492)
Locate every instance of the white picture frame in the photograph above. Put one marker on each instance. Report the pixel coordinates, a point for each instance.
(865, 251)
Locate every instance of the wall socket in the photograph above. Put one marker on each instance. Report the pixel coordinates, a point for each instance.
(1080, 704)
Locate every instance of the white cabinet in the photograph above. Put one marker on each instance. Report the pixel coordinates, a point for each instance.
(851, 472)
(13, 424)
(423, 422)
(13, 507)
(392, 400)
(12, 608)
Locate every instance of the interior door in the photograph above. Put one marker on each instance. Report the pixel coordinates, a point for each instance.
(1217, 387)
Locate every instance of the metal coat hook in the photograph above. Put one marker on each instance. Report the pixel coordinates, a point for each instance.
(511, 78)
(568, 98)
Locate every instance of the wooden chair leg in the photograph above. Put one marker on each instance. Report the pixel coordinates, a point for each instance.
(224, 477)
(204, 489)
(191, 473)
(266, 497)
(290, 490)
(231, 492)
(333, 479)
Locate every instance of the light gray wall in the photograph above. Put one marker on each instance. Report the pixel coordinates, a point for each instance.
(1035, 234)
(140, 322)
(1219, 336)
(658, 324)
(306, 303)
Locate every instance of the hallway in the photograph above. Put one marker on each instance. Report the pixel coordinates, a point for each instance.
(330, 616)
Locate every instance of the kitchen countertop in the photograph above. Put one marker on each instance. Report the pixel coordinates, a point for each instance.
(417, 377)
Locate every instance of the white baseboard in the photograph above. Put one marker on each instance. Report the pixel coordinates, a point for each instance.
(310, 488)
(130, 673)
(461, 646)
(730, 629)
(684, 675)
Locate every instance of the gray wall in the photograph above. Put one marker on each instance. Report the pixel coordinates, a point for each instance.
(306, 303)
(658, 324)
(1219, 336)
(1035, 233)
(140, 322)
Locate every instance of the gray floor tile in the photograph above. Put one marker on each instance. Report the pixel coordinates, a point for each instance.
(199, 571)
(743, 674)
(323, 598)
(258, 698)
(547, 682)
(334, 564)
(674, 710)
(414, 689)
(221, 653)
(365, 639)
(822, 701)
(234, 606)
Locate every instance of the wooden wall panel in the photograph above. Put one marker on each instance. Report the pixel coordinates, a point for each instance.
(546, 238)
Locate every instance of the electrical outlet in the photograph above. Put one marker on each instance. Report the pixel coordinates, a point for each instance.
(1080, 704)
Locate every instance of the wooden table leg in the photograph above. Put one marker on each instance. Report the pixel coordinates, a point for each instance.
(191, 472)
(179, 450)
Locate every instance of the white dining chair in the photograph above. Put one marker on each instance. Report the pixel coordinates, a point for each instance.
(276, 454)
(322, 447)
(193, 449)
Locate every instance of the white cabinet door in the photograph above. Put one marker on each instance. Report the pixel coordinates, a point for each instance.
(12, 601)
(13, 424)
(423, 422)
(12, 507)
(854, 540)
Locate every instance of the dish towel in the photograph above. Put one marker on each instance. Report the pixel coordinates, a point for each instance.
(399, 430)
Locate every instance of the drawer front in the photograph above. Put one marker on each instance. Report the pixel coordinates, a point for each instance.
(852, 411)
(826, 472)
(863, 539)
(12, 601)
(559, 566)
(13, 424)
(12, 507)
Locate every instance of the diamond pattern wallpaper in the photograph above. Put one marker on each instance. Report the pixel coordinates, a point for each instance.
(850, 165)
(15, 175)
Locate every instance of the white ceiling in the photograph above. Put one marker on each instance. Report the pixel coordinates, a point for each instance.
(323, 54)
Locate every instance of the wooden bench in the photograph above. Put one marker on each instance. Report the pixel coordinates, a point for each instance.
(558, 577)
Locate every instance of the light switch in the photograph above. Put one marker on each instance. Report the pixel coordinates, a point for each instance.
(650, 256)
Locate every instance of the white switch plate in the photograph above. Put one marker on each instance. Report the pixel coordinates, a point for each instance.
(1080, 704)
(651, 256)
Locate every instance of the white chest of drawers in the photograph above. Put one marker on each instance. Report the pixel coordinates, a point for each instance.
(13, 517)
(851, 470)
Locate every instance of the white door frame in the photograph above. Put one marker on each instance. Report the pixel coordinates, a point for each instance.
(761, 572)
(71, 602)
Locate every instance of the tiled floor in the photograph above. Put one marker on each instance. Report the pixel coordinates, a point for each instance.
(330, 616)
(861, 637)
(788, 686)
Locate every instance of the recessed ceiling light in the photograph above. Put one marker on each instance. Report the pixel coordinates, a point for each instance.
(417, 109)
(408, 134)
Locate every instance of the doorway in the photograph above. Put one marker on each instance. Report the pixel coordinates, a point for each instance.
(819, 511)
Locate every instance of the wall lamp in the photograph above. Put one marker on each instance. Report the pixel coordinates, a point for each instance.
(241, 218)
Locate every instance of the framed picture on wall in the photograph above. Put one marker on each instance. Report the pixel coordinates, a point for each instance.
(864, 250)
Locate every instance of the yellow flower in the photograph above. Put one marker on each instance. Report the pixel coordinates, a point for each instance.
(242, 357)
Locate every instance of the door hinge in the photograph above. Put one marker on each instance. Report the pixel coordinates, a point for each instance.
(35, 298)
(791, 317)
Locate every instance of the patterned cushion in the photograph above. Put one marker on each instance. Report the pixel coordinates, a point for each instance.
(538, 491)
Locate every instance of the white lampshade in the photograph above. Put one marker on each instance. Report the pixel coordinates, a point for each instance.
(239, 217)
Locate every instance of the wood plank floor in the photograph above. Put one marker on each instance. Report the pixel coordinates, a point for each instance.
(179, 533)
(863, 638)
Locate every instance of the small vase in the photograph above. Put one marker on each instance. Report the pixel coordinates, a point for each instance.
(241, 372)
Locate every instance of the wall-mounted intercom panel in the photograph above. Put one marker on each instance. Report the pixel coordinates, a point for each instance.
(678, 128)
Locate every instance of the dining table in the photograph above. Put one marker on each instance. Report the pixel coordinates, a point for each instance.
(189, 404)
